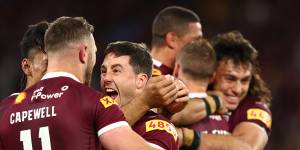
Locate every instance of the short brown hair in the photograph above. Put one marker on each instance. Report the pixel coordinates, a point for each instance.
(198, 60)
(66, 29)
(172, 19)
(139, 57)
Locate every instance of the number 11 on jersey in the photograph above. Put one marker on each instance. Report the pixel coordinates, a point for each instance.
(25, 137)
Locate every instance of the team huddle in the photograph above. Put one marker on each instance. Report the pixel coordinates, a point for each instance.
(186, 92)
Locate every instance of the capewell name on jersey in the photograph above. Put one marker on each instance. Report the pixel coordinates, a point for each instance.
(36, 113)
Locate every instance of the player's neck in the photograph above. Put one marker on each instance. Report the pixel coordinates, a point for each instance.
(164, 55)
(195, 86)
(66, 66)
(29, 82)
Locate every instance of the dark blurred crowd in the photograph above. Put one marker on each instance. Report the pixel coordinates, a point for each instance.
(271, 26)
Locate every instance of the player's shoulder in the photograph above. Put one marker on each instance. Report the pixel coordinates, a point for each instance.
(154, 122)
(8, 101)
(151, 115)
(160, 69)
(253, 103)
(251, 110)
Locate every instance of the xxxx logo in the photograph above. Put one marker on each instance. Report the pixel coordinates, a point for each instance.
(107, 101)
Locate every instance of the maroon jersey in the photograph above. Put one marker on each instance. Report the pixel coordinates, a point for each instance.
(253, 111)
(6, 102)
(160, 69)
(157, 130)
(58, 113)
(3, 106)
(213, 124)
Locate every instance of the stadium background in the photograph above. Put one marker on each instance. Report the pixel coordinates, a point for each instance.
(271, 26)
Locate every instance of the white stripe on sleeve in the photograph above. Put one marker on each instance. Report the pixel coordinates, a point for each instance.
(155, 146)
(112, 126)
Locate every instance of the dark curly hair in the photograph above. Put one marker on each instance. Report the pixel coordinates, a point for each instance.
(232, 45)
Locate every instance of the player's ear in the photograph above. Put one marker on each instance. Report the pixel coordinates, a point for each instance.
(26, 67)
(83, 53)
(171, 40)
(141, 80)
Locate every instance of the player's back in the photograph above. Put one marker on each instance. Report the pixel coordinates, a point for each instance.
(55, 113)
(212, 124)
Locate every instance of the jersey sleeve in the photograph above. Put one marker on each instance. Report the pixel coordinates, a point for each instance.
(160, 133)
(108, 115)
(104, 113)
(258, 113)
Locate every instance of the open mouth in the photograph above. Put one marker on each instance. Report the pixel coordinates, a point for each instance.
(111, 92)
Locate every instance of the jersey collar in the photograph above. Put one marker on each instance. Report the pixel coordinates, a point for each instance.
(59, 74)
(156, 62)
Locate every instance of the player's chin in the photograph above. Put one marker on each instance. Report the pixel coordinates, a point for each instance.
(231, 103)
(231, 106)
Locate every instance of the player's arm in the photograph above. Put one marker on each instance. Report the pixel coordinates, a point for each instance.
(192, 113)
(194, 140)
(246, 134)
(159, 91)
(254, 125)
(198, 109)
(252, 134)
(112, 129)
(123, 138)
(223, 142)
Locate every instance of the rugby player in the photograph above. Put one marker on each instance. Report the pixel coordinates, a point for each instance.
(246, 95)
(125, 71)
(172, 28)
(195, 65)
(60, 111)
(34, 58)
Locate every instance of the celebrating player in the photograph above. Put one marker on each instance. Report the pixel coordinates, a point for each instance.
(125, 71)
